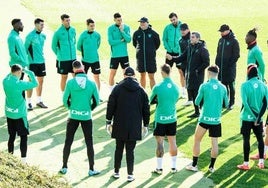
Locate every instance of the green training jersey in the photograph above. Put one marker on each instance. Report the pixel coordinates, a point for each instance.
(63, 44)
(88, 44)
(167, 94)
(79, 95)
(253, 92)
(212, 95)
(17, 50)
(15, 105)
(118, 40)
(171, 37)
(34, 45)
(255, 56)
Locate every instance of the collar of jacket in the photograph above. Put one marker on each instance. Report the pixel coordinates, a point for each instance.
(252, 44)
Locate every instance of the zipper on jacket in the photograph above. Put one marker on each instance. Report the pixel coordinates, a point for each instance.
(69, 44)
(144, 56)
(174, 39)
(222, 51)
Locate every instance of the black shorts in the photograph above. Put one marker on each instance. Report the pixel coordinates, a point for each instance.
(149, 67)
(38, 69)
(214, 130)
(114, 63)
(168, 129)
(248, 125)
(19, 126)
(95, 67)
(64, 67)
(171, 62)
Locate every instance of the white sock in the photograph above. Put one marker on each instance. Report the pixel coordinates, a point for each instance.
(23, 160)
(38, 99)
(159, 162)
(29, 100)
(261, 161)
(173, 161)
(246, 163)
(265, 149)
(111, 88)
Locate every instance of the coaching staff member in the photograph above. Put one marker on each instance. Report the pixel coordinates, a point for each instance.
(128, 106)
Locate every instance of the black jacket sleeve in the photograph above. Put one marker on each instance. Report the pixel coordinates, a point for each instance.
(146, 110)
(156, 40)
(236, 52)
(205, 60)
(111, 105)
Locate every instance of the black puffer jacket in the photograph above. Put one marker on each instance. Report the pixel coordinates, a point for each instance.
(197, 57)
(184, 43)
(128, 106)
(146, 43)
(228, 52)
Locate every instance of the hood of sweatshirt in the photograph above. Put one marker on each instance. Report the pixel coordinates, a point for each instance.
(80, 81)
(131, 84)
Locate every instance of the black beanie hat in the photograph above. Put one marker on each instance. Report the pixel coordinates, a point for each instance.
(252, 71)
(252, 32)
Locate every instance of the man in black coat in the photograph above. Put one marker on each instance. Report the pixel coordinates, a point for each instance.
(127, 107)
(228, 52)
(146, 41)
(197, 57)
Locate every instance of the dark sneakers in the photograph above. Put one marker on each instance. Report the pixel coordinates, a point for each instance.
(41, 105)
(30, 107)
(194, 115)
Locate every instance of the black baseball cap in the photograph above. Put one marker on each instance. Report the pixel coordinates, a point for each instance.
(144, 19)
(129, 71)
(224, 27)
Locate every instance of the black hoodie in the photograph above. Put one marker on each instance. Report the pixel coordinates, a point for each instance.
(128, 106)
(228, 52)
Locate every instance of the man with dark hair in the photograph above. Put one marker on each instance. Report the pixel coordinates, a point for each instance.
(16, 47)
(212, 95)
(171, 36)
(146, 41)
(34, 44)
(118, 37)
(80, 97)
(15, 107)
(254, 103)
(127, 107)
(197, 58)
(88, 44)
(184, 43)
(228, 52)
(63, 45)
(254, 53)
(166, 95)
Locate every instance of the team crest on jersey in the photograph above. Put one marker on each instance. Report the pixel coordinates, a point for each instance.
(255, 85)
(215, 87)
(149, 35)
(227, 43)
(169, 85)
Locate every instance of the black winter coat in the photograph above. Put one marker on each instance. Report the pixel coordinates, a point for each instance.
(197, 57)
(146, 43)
(127, 106)
(228, 52)
(184, 43)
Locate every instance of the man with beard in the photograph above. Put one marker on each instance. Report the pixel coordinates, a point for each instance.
(197, 58)
(171, 36)
(227, 55)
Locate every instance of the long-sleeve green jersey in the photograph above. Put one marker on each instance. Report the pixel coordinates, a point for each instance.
(171, 37)
(166, 94)
(17, 50)
(253, 93)
(34, 45)
(88, 44)
(255, 56)
(15, 105)
(118, 40)
(80, 97)
(63, 44)
(212, 95)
